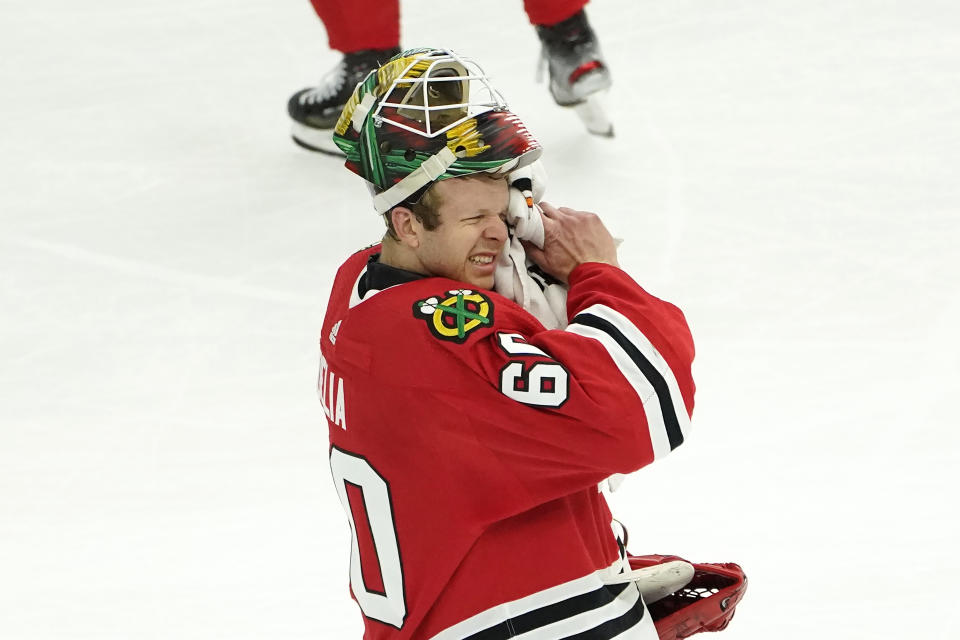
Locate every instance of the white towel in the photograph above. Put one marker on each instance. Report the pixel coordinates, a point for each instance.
(516, 277)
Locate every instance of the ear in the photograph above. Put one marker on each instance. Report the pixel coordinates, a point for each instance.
(407, 227)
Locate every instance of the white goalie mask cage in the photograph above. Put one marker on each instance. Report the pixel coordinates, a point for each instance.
(451, 90)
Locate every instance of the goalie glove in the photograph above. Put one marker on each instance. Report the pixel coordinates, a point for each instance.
(706, 603)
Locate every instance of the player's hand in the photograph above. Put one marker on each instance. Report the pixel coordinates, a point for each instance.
(571, 238)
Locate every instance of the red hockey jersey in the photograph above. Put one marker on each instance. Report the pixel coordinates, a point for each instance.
(467, 443)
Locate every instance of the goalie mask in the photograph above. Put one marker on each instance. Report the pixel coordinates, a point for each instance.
(428, 115)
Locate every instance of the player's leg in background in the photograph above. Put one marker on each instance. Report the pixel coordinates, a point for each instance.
(355, 25)
(550, 12)
(571, 52)
(367, 33)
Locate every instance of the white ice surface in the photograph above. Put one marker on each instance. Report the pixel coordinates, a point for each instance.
(786, 171)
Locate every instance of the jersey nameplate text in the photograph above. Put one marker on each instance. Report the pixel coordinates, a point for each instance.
(330, 389)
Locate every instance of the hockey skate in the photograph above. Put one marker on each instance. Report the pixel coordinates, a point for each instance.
(578, 71)
(315, 110)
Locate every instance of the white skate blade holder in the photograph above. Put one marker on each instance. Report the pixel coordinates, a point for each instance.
(658, 581)
(593, 113)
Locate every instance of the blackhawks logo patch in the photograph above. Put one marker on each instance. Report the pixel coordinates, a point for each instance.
(455, 314)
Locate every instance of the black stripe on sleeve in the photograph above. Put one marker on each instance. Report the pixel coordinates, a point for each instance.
(568, 608)
(657, 381)
(613, 628)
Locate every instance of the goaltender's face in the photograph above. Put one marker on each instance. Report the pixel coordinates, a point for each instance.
(472, 231)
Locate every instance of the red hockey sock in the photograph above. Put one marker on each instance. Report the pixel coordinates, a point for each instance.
(550, 12)
(354, 25)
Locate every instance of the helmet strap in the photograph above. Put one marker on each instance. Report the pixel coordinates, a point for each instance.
(361, 111)
(429, 171)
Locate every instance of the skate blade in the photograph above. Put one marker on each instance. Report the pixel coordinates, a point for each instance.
(594, 116)
(319, 140)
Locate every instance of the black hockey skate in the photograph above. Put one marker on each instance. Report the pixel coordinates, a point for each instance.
(578, 71)
(315, 110)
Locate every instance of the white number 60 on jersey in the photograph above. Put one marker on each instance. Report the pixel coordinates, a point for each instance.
(540, 384)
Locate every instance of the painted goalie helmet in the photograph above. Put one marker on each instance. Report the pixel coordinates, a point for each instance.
(428, 115)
